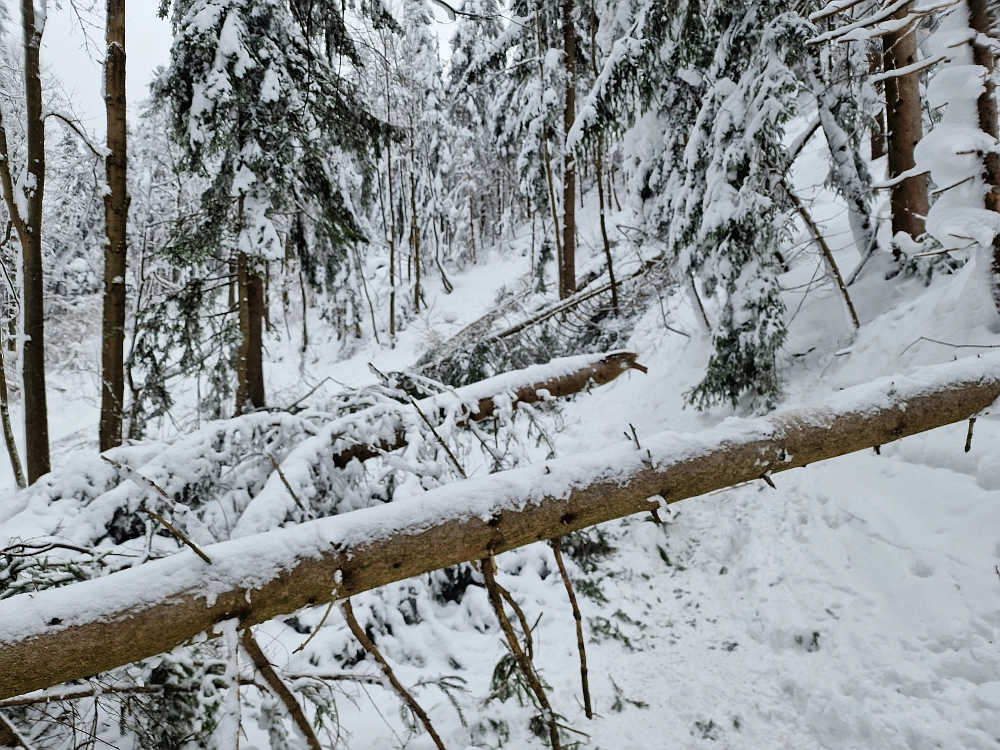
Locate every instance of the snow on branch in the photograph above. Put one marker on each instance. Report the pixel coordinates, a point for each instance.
(385, 427)
(57, 635)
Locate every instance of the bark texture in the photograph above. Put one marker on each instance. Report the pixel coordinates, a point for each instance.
(905, 129)
(115, 225)
(250, 358)
(981, 21)
(280, 689)
(567, 271)
(50, 637)
(36, 412)
(8, 430)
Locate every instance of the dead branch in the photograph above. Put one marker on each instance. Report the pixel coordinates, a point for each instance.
(72, 632)
(529, 642)
(584, 680)
(523, 662)
(600, 372)
(284, 481)
(574, 300)
(369, 646)
(825, 248)
(56, 696)
(280, 689)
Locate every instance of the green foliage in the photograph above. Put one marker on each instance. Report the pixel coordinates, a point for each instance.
(587, 547)
(184, 715)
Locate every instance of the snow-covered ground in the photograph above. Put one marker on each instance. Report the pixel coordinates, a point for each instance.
(855, 606)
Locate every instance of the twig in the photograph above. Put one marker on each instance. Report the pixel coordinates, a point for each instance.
(177, 533)
(528, 640)
(635, 436)
(824, 248)
(368, 646)
(138, 478)
(869, 252)
(430, 426)
(953, 346)
(72, 695)
(968, 436)
(584, 681)
(280, 689)
(367, 679)
(284, 480)
(308, 394)
(523, 662)
(322, 622)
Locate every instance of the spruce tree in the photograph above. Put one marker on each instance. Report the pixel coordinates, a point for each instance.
(263, 111)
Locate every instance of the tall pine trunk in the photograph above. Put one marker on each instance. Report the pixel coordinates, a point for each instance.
(36, 417)
(567, 272)
(116, 203)
(981, 21)
(249, 362)
(904, 128)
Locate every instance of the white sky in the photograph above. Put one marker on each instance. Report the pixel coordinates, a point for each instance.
(76, 63)
(72, 52)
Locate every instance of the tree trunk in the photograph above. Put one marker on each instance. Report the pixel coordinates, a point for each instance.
(548, 161)
(981, 21)
(904, 130)
(415, 242)
(249, 360)
(60, 634)
(8, 430)
(567, 272)
(597, 373)
(599, 170)
(115, 224)
(877, 140)
(36, 413)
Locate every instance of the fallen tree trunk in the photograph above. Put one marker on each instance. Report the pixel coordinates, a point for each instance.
(582, 371)
(389, 425)
(62, 634)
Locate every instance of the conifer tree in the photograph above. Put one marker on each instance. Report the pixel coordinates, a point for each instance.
(262, 111)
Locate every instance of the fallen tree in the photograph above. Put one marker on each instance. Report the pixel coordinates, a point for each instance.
(558, 379)
(63, 634)
(391, 425)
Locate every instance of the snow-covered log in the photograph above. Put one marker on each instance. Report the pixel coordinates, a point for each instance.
(390, 425)
(557, 379)
(86, 628)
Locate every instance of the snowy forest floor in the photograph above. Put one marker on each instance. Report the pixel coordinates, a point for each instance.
(855, 606)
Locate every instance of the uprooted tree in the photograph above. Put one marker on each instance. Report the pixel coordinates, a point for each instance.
(58, 635)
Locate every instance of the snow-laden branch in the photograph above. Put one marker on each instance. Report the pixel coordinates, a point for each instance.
(69, 633)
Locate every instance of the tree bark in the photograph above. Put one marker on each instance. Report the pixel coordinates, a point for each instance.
(877, 140)
(249, 360)
(36, 412)
(8, 430)
(55, 635)
(567, 272)
(415, 242)
(981, 21)
(904, 127)
(116, 203)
